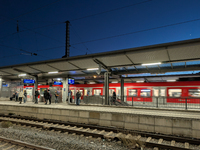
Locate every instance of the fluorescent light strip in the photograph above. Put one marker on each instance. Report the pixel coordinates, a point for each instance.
(93, 69)
(52, 72)
(22, 75)
(171, 80)
(139, 81)
(114, 81)
(151, 64)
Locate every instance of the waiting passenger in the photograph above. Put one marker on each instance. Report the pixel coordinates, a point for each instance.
(49, 97)
(46, 96)
(20, 96)
(114, 97)
(56, 96)
(16, 96)
(36, 96)
(12, 97)
(25, 96)
(78, 95)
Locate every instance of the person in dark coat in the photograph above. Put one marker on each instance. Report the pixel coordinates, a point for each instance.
(49, 97)
(25, 96)
(46, 96)
(78, 95)
(36, 96)
(13, 96)
(114, 97)
(16, 96)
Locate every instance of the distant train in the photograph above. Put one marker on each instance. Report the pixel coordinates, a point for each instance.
(174, 92)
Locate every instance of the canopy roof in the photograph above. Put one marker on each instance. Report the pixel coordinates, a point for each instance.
(174, 56)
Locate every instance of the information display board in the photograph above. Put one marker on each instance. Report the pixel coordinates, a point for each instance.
(57, 83)
(70, 81)
(28, 81)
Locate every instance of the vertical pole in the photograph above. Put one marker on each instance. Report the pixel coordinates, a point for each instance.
(157, 102)
(106, 87)
(35, 87)
(67, 39)
(186, 103)
(65, 90)
(132, 101)
(122, 89)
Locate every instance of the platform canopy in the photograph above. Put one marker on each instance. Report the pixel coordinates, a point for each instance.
(173, 57)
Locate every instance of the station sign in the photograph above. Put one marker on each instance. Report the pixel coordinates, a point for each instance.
(57, 83)
(28, 81)
(70, 81)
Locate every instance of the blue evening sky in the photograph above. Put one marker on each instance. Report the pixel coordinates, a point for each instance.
(92, 22)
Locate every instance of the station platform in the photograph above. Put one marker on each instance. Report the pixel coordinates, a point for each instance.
(173, 122)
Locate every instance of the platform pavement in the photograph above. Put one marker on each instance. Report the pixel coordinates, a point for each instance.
(181, 123)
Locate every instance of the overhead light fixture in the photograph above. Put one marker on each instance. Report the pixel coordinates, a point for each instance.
(139, 81)
(95, 76)
(158, 63)
(20, 75)
(171, 80)
(58, 79)
(114, 81)
(93, 69)
(92, 83)
(53, 72)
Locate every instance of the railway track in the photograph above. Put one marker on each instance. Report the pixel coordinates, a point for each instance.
(9, 144)
(130, 138)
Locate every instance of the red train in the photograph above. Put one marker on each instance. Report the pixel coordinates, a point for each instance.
(175, 92)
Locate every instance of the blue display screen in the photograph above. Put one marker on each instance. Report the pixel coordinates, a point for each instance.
(70, 81)
(29, 81)
(57, 83)
(5, 85)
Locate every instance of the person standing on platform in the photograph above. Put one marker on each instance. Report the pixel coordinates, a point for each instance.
(36, 96)
(13, 96)
(20, 96)
(25, 96)
(56, 96)
(78, 95)
(16, 96)
(46, 96)
(114, 97)
(49, 97)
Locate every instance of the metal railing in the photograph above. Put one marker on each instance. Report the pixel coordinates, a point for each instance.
(155, 102)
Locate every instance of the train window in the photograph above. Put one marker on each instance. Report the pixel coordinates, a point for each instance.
(72, 92)
(175, 92)
(194, 92)
(145, 93)
(156, 92)
(132, 92)
(85, 92)
(111, 92)
(162, 92)
(97, 92)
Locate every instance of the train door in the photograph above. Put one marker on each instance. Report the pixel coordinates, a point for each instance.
(111, 90)
(160, 93)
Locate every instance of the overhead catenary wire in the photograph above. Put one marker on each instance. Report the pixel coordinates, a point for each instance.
(111, 10)
(31, 11)
(80, 39)
(144, 30)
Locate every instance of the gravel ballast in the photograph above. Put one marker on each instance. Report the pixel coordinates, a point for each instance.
(58, 141)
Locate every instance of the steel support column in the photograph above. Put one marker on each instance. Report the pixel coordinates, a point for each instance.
(106, 87)
(122, 89)
(65, 90)
(35, 87)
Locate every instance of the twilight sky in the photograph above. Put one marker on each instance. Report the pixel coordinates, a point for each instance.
(95, 26)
